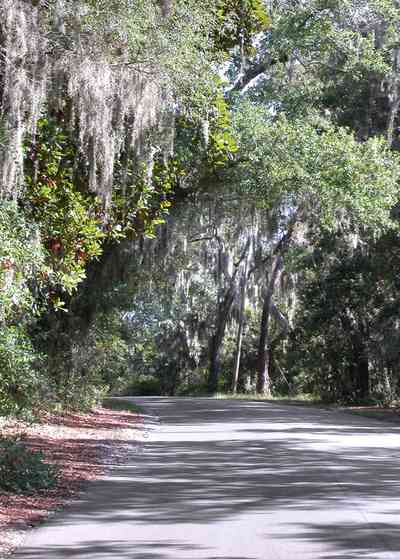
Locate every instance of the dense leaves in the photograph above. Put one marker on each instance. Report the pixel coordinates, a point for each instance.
(310, 163)
(23, 470)
(205, 197)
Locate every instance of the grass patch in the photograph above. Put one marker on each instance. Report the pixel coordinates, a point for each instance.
(120, 404)
(390, 414)
(301, 399)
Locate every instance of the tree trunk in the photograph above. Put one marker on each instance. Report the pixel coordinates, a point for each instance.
(263, 377)
(361, 370)
(239, 338)
(223, 310)
(166, 6)
(216, 341)
(238, 353)
(394, 97)
(213, 378)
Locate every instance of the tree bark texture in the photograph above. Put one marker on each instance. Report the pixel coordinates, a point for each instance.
(239, 338)
(223, 310)
(263, 377)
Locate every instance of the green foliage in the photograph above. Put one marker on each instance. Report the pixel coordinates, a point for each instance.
(181, 44)
(222, 142)
(57, 235)
(86, 369)
(120, 404)
(206, 143)
(185, 41)
(109, 357)
(3, 136)
(79, 390)
(303, 148)
(239, 21)
(22, 264)
(311, 164)
(346, 324)
(69, 221)
(21, 380)
(141, 202)
(333, 56)
(23, 470)
(144, 386)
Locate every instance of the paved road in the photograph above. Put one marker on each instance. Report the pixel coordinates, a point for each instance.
(221, 479)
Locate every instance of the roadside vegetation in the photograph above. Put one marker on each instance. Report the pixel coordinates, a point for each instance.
(389, 412)
(196, 198)
(119, 404)
(46, 464)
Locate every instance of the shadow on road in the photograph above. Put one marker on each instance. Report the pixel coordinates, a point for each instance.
(123, 550)
(240, 458)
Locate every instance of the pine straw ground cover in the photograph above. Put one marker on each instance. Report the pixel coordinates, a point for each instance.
(81, 446)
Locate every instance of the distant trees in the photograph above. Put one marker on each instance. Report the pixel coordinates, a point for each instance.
(175, 227)
(316, 131)
(89, 111)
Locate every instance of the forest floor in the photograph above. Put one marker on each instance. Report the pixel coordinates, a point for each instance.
(81, 446)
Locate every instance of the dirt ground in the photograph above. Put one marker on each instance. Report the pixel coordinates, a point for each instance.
(82, 446)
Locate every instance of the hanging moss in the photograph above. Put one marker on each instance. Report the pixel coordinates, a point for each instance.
(46, 63)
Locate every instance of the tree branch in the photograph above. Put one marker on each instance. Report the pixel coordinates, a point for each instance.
(250, 74)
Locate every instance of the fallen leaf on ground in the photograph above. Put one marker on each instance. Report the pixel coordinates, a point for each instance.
(82, 446)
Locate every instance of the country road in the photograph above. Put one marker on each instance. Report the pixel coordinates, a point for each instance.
(220, 479)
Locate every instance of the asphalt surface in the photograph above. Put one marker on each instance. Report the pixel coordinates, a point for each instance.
(218, 479)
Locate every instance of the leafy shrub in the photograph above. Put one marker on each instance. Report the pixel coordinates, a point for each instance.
(20, 379)
(23, 470)
(21, 264)
(144, 387)
(118, 404)
(80, 390)
(194, 389)
(21, 273)
(69, 221)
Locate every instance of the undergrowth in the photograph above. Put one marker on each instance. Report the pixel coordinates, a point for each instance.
(120, 404)
(23, 470)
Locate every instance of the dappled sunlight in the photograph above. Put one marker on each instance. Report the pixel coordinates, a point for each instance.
(123, 550)
(272, 477)
(360, 538)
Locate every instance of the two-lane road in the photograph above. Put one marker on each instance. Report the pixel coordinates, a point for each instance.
(220, 479)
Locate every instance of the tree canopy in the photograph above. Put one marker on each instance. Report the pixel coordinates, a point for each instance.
(198, 197)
